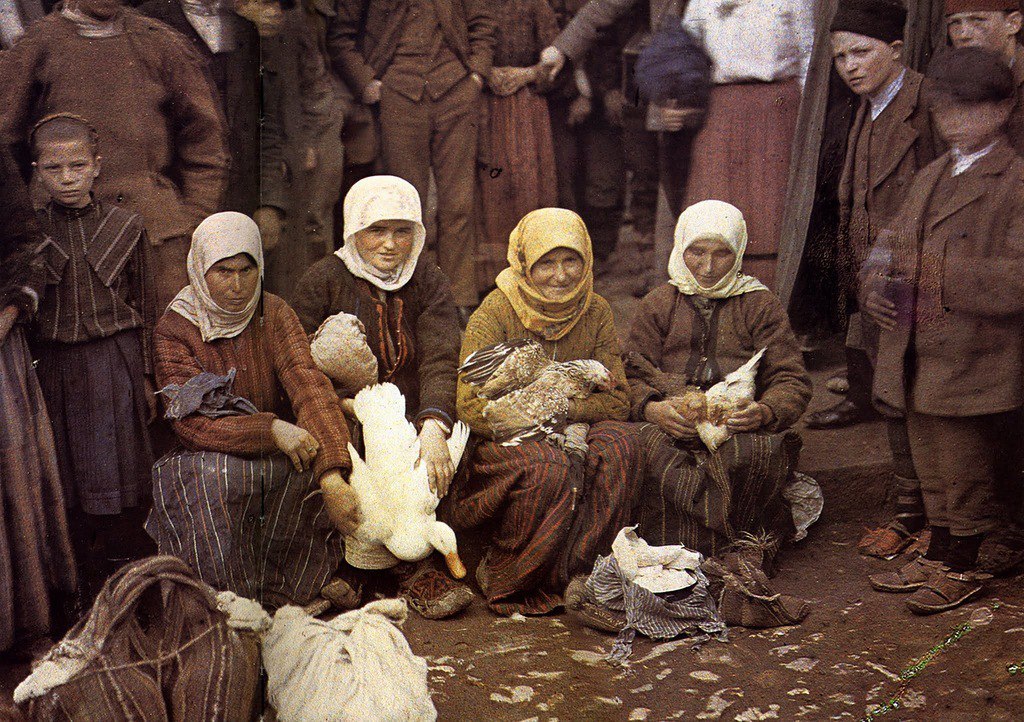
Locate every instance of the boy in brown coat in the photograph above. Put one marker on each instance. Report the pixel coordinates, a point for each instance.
(946, 287)
(891, 139)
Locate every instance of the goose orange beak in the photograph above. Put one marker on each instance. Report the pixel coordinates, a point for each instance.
(455, 565)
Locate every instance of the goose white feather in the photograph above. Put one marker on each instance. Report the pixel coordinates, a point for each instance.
(393, 486)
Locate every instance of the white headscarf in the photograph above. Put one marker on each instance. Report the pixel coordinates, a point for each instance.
(382, 198)
(220, 236)
(724, 222)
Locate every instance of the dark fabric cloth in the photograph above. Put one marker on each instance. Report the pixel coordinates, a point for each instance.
(706, 501)
(255, 527)
(156, 648)
(518, 138)
(674, 66)
(95, 393)
(958, 345)
(879, 19)
(21, 277)
(96, 275)
(546, 532)
(955, 459)
(419, 318)
(882, 156)
(36, 560)
(670, 332)
(168, 271)
(1015, 128)
(363, 40)
(161, 130)
(275, 371)
(236, 75)
(747, 164)
(440, 135)
(208, 394)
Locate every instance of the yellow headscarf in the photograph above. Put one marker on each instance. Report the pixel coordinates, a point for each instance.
(538, 233)
(711, 219)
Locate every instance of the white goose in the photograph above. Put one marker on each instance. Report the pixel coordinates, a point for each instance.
(394, 493)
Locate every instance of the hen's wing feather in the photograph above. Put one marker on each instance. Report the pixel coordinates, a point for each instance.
(528, 414)
(505, 366)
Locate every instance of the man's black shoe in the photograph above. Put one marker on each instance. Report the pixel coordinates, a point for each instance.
(845, 413)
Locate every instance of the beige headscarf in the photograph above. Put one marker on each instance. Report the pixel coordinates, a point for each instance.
(538, 232)
(220, 236)
(381, 198)
(724, 222)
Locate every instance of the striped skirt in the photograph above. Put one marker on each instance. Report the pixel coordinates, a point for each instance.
(255, 527)
(546, 532)
(36, 561)
(705, 501)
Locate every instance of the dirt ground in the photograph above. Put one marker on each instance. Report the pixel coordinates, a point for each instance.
(844, 662)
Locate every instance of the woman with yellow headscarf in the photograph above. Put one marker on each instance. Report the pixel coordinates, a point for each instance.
(548, 528)
(706, 322)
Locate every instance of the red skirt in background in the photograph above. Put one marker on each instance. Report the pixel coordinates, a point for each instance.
(518, 174)
(741, 156)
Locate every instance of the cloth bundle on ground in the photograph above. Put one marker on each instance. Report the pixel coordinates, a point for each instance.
(158, 644)
(356, 667)
(674, 66)
(741, 589)
(340, 350)
(806, 502)
(251, 526)
(661, 589)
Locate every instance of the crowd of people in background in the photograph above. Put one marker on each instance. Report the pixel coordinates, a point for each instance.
(190, 188)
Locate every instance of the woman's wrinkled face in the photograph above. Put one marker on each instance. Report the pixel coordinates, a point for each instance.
(233, 281)
(557, 272)
(386, 245)
(709, 259)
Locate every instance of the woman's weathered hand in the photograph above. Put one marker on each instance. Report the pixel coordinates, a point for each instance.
(7, 318)
(296, 442)
(880, 310)
(664, 414)
(434, 455)
(751, 417)
(341, 502)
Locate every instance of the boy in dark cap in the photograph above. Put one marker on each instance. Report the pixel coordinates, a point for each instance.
(993, 25)
(891, 139)
(946, 287)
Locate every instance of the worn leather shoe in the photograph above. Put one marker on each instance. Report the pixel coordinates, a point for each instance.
(845, 413)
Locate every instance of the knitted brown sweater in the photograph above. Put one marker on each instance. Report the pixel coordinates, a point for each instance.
(593, 337)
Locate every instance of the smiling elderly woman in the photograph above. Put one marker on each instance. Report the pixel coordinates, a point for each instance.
(549, 527)
(412, 328)
(706, 322)
(236, 503)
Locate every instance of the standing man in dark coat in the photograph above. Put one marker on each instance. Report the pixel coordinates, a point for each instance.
(423, 63)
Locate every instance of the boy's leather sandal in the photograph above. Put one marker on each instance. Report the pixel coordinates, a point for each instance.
(946, 590)
(912, 575)
(885, 542)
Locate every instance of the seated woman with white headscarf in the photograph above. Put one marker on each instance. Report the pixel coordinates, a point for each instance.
(237, 502)
(706, 322)
(408, 313)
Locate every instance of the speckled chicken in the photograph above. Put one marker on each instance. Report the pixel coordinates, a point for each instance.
(528, 393)
(708, 410)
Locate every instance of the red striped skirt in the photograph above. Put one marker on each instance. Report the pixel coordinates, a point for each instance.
(545, 532)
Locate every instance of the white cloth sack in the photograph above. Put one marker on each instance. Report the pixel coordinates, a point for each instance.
(354, 668)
